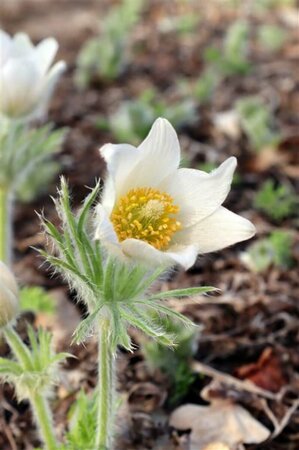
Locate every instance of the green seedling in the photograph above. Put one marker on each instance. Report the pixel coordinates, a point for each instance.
(182, 24)
(105, 56)
(175, 363)
(257, 122)
(205, 86)
(36, 299)
(26, 169)
(271, 37)
(133, 119)
(25, 158)
(232, 59)
(277, 202)
(266, 5)
(186, 23)
(82, 420)
(274, 250)
(34, 372)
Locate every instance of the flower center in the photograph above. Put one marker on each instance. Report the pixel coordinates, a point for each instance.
(146, 214)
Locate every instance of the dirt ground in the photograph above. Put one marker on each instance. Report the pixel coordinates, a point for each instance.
(250, 330)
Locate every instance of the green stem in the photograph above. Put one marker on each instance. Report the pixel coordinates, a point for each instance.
(5, 226)
(106, 387)
(38, 402)
(18, 347)
(43, 419)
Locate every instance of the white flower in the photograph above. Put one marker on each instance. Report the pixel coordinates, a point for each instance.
(154, 212)
(26, 80)
(9, 295)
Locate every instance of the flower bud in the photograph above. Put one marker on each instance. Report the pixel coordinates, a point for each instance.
(9, 298)
(27, 79)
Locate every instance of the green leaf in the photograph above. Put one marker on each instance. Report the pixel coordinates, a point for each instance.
(65, 267)
(188, 292)
(62, 356)
(156, 306)
(61, 241)
(148, 280)
(85, 328)
(88, 203)
(109, 279)
(119, 330)
(136, 318)
(10, 368)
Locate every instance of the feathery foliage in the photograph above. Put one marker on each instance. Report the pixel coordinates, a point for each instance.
(108, 286)
(25, 157)
(37, 371)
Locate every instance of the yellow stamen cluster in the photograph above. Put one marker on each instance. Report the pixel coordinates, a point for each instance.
(146, 214)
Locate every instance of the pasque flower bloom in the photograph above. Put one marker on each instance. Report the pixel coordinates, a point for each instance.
(9, 302)
(155, 212)
(26, 80)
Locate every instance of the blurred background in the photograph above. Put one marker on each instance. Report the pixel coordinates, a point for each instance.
(225, 73)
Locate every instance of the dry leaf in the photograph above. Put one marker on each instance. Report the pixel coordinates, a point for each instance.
(228, 123)
(217, 446)
(266, 372)
(268, 157)
(224, 422)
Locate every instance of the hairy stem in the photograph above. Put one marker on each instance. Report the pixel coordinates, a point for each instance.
(38, 402)
(18, 347)
(43, 419)
(5, 225)
(106, 387)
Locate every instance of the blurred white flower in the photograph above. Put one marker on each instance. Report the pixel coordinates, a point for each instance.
(26, 79)
(154, 212)
(9, 295)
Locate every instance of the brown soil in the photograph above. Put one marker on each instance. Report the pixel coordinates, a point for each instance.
(250, 330)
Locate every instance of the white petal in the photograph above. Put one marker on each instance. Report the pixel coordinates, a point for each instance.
(120, 159)
(19, 87)
(159, 156)
(147, 166)
(106, 235)
(53, 76)
(5, 47)
(45, 52)
(108, 195)
(219, 230)
(197, 193)
(104, 228)
(144, 252)
(183, 255)
(21, 46)
(48, 87)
